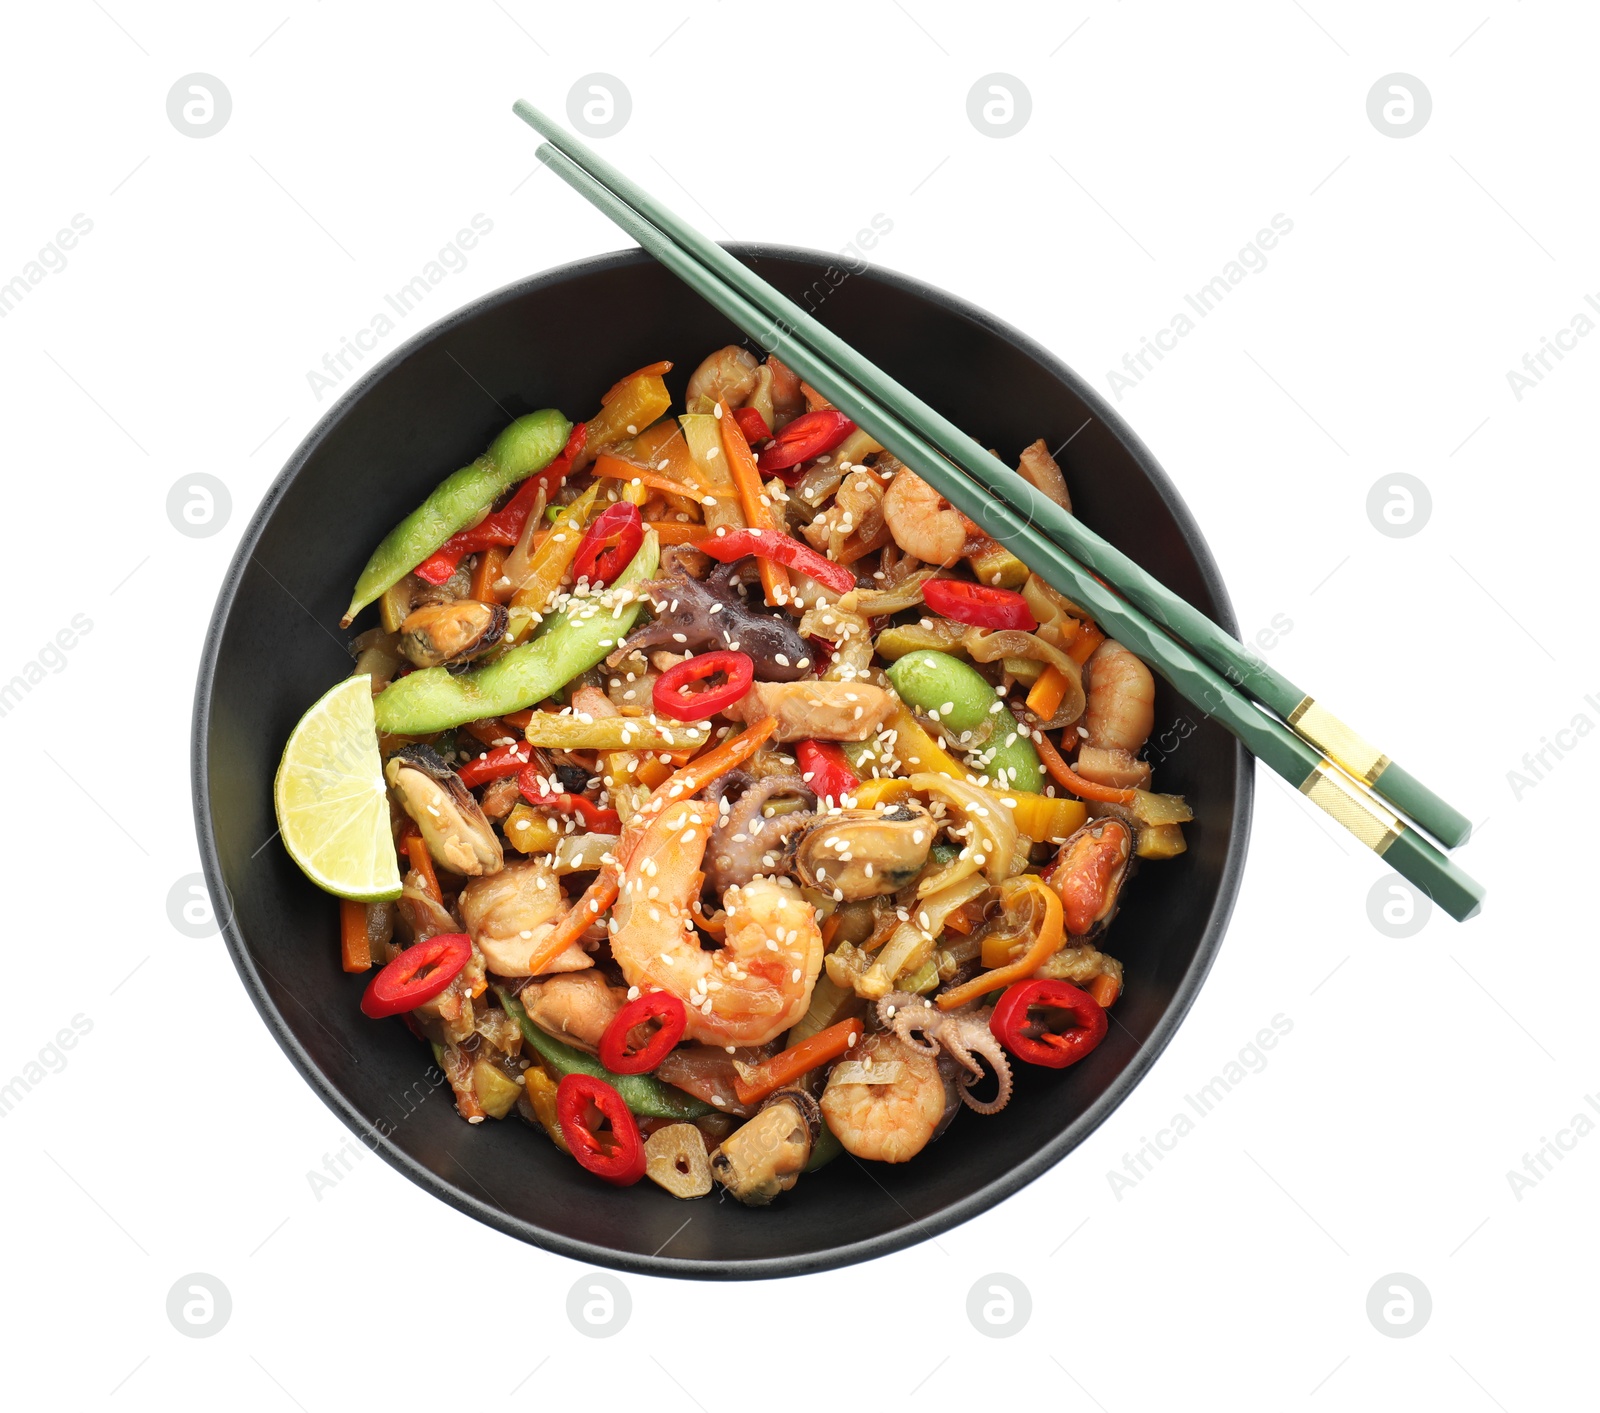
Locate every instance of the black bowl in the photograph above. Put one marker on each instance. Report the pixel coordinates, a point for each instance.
(560, 340)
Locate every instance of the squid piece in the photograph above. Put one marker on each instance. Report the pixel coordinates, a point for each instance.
(692, 615)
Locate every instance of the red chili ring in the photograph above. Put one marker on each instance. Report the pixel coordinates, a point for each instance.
(1053, 1049)
(417, 975)
(979, 604)
(672, 700)
(623, 1162)
(609, 545)
(659, 1006)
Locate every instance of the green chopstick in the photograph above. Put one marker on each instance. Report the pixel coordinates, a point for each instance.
(1307, 717)
(1290, 756)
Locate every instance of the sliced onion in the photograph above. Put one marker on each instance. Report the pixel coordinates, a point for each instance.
(857, 1072)
(991, 830)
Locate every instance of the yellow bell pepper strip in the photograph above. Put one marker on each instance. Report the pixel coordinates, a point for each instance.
(1046, 819)
(527, 446)
(626, 410)
(572, 641)
(1046, 943)
(917, 750)
(554, 557)
(758, 512)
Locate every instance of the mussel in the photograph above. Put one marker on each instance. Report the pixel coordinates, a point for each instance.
(1089, 874)
(444, 634)
(766, 1156)
(866, 853)
(452, 823)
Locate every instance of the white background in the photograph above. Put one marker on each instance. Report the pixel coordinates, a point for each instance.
(177, 340)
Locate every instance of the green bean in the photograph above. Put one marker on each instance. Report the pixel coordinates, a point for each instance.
(959, 698)
(570, 643)
(647, 1097)
(527, 446)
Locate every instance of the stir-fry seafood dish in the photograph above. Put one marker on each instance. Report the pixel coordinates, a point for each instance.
(715, 797)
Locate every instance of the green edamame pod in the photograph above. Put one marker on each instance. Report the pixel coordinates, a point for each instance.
(527, 446)
(957, 694)
(573, 641)
(648, 1098)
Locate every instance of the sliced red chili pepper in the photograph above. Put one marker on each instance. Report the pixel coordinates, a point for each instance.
(1032, 1038)
(495, 764)
(504, 526)
(781, 549)
(609, 545)
(618, 1156)
(671, 697)
(659, 1006)
(979, 604)
(752, 424)
(810, 434)
(535, 790)
(824, 767)
(417, 975)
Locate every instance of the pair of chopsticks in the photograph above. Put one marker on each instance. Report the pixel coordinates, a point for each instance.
(1309, 747)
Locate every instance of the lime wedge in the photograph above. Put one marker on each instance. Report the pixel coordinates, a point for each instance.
(333, 813)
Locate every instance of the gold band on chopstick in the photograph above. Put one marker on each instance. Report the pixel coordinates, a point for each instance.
(1333, 792)
(1334, 739)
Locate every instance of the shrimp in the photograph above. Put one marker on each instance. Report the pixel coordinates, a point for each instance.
(728, 373)
(889, 1123)
(922, 522)
(746, 992)
(1120, 710)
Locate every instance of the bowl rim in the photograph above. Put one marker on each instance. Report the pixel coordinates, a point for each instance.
(760, 1268)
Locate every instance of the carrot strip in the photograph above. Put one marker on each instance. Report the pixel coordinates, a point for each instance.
(485, 574)
(752, 500)
(755, 1082)
(683, 783)
(1069, 779)
(355, 951)
(1104, 990)
(675, 532)
(417, 852)
(614, 468)
(1082, 647)
(1040, 950)
(1046, 695)
(830, 928)
(650, 370)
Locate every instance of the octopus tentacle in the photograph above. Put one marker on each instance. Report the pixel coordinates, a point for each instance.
(975, 1036)
(906, 1013)
(742, 839)
(963, 1035)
